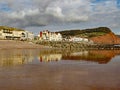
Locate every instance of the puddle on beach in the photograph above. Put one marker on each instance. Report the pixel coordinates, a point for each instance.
(17, 57)
(59, 69)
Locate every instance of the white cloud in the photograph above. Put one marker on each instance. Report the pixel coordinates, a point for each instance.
(55, 11)
(25, 13)
(22, 14)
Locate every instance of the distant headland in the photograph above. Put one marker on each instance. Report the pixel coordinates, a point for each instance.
(100, 35)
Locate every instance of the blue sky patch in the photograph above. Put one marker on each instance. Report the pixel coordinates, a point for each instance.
(118, 3)
(4, 7)
(98, 1)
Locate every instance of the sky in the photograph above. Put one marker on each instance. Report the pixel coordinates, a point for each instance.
(57, 15)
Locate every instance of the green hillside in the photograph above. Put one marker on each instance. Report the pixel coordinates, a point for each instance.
(10, 28)
(86, 32)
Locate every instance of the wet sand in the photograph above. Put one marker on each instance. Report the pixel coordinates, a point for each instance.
(60, 76)
(12, 44)
(68, 74)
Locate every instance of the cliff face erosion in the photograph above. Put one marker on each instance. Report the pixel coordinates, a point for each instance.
(109, 38)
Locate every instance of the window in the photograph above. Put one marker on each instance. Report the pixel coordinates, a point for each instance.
(7, 31)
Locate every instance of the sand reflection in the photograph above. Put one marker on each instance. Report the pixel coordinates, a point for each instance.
(18, 57)
(15, 57)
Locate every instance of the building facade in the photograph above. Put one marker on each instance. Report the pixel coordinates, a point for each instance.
(78, 39)
(50, 36)
(16, 34)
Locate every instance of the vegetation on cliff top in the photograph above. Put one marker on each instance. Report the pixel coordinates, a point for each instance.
(10, 28)
(88, 33)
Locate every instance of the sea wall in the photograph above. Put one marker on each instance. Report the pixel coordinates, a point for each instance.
(77, 45)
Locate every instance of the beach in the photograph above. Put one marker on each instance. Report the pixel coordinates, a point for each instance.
(60, 76)
(12, 44)
(49, 69)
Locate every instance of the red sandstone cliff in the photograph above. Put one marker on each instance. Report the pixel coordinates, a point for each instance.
(109, 38)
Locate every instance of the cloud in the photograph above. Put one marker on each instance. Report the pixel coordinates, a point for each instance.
(23, 14)
(35, 13)
(47, 12)
(54, 11)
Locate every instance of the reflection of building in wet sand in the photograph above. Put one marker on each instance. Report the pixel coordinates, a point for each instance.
(14, 59)
(50, 57)
(80, 53)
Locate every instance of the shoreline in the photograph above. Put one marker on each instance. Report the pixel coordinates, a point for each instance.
(12, 44)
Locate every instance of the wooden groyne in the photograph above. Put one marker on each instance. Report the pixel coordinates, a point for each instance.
(105, 46)
(78, 45)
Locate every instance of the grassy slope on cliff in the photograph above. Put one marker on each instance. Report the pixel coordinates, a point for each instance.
(86, 32)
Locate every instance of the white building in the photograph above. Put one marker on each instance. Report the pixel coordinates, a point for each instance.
(29, 35)
(78, 39)
(5, 33)
(50, 36)
(16, 34)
